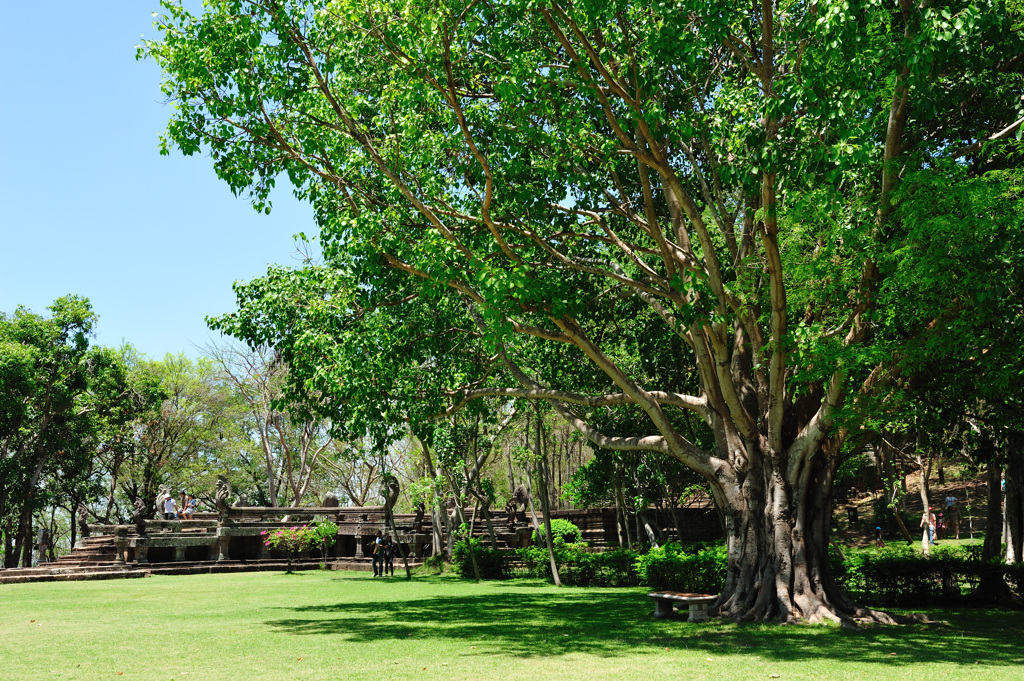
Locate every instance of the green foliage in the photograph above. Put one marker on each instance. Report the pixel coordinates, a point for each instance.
(435, 564)
(578, 565)
(291, 541)
(562, 530)
(660, 218)
(491, 563)
(698, 569)
(901, 576)
(63, 404)
(323, 534)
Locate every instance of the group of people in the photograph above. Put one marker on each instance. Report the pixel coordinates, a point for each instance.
(171, 509)
(948, 521)
(384, 551)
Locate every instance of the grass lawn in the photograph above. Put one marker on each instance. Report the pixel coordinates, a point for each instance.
(348, 625)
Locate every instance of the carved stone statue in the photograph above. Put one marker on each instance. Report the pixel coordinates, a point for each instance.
(83, 520)
(390, 489)
(161, 497)
(240, 501)
(139, 515)
(421, 511)
(512, 508)
(330, 500)
(43, 544)
(221, 492)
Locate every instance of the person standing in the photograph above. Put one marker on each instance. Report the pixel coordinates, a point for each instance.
(390, 548)
(170, 508)
(953, 520)
(928, 518)
(378, 555)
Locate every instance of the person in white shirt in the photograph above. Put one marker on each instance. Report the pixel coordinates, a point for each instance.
(170, 509)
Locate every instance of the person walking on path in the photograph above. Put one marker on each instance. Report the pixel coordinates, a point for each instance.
(378, 555)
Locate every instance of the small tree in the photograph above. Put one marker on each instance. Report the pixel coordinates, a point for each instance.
(323, 534)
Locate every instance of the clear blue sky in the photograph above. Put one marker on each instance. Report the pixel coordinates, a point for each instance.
(87, 204)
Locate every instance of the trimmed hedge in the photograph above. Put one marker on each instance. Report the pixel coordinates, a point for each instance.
(701, 569)
(897, 576)
(578, 565)
(900, 576)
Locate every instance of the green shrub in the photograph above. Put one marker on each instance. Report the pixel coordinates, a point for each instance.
(435, 564)
(670, 567)
(560, 529)
(900, 576)
(578, 565)
(323, 535)
(491, 563)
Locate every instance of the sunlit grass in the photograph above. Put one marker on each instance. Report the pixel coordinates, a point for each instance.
(344, 625)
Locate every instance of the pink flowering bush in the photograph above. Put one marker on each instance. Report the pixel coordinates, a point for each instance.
(290, 541)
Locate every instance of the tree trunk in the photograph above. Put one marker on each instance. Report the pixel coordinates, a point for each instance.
(490, 527)
(926, 516)
(8, 543)
(26, 550)
(72, 523)
(620, 516)
(777, 540)
(547, 520)
(1014, 507)
(401, 551)
(469, 546)
(992, 548)
(993, 587)
(642, 518)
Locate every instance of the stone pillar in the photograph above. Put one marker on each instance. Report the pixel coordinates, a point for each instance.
(179, 554)
(141, 554)
(222, 546)
(359, 541)
(121, 543)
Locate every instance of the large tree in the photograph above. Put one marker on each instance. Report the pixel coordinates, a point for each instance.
(553, 185)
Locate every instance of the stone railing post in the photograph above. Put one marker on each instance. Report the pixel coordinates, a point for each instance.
(121, 543)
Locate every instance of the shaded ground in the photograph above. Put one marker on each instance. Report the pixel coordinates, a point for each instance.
(350, 625)
(972, 491)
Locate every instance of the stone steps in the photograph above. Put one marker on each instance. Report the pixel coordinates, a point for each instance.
(51, 572)
(68, 574)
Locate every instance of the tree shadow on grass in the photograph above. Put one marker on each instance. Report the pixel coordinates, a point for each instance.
(615, 623)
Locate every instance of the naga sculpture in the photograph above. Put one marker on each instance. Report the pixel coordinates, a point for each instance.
(390, 489)
(519, 499)
(421, 511)
(330, 500)
(139, 515)
(161, 498)
(83, 520)
(221, 492)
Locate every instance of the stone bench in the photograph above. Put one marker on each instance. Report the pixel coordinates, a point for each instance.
(664, 602)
